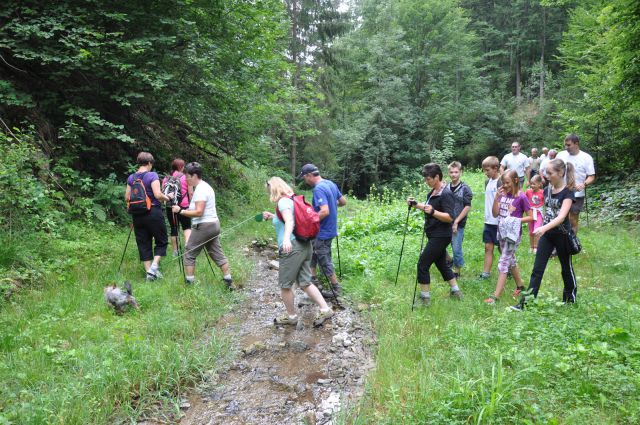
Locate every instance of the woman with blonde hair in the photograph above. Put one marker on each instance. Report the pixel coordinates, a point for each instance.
(294, 256)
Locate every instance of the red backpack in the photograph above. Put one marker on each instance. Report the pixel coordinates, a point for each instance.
(307, 220)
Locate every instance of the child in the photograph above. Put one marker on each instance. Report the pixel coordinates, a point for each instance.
(535, 195)
(491, 169)
(554, 233)
(509, 206)
(462, 195)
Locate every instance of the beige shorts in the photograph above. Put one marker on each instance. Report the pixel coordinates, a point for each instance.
(296, 265)
(204, 235)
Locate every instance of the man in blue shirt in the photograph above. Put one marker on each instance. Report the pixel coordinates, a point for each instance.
(326, 200)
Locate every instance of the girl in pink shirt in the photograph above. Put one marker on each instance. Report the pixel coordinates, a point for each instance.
(535, 195)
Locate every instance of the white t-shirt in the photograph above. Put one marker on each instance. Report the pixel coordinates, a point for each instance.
(583, 163)
(515, 162)
(204, 192)
(489, 196)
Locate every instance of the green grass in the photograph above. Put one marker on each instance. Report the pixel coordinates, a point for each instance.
(466, 362)
(66, 358)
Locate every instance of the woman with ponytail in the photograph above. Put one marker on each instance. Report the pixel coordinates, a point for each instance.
(553, 234)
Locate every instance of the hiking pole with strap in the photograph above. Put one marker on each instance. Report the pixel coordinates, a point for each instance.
(339, 265)
(333, 291)
(406, 223)
(415, 288)
(125, 247)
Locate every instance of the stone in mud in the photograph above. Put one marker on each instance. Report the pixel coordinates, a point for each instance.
(274, 265)
(299, 346)
(323, 381)
(254, 348)
(233, 407)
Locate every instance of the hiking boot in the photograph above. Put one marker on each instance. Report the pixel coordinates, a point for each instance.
(422, 302)
(151, 276)
(330, 294)
(491, 300)
(285, 320)
(229, 283)
(484, 275)
(517, 291)
(193, 282)
(456, 295)
(322, 317)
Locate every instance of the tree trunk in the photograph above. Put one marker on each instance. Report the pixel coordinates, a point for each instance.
(518, 79)
(544, 41)
(294, 153)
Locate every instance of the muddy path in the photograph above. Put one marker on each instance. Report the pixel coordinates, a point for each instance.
(284, 375)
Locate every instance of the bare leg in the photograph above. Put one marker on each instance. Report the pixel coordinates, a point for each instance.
(187, 233)
(174, 243)
(573, 219)
(316, 296)
(488, 257)
(515, 272)
(189, 270)
(147, 264)
(502, 280)
(288, 299)
(226, 270)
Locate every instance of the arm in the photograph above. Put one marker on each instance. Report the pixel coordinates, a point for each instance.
(324, 212)
(190, 213)
(127, 193)
(155, 187)
(342, 201)
(588, 182)
(564, 211)
(287, 216)
(466, 202)
(495, 208)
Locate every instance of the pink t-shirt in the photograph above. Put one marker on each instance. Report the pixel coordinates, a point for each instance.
(536, 199)
(184, 203)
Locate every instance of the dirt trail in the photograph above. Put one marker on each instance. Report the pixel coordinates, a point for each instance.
(284, 375)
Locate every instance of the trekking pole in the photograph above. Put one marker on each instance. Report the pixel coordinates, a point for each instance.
(339, 265)
(333, 291)
(415, 288)
(206, 254)
(125, 247)
(406, 223)
(180, 263)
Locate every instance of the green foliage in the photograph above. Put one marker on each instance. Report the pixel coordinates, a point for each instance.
(66, 357)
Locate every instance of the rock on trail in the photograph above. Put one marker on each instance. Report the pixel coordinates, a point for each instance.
(284, 375)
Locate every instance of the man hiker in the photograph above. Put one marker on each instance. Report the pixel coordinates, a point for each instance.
(326, 200)
(534, 162)
(585, 175)
(516, 161)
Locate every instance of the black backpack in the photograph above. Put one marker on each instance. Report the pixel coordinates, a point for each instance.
(139, 202)
(173, 185)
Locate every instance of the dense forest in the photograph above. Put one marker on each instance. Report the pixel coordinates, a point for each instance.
(366, 89)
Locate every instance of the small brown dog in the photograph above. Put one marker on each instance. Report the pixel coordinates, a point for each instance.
(120, 298)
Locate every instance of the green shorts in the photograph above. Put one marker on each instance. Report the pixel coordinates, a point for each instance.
(296, 265)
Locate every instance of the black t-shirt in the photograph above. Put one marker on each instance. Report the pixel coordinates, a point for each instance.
(443, 202)
(553, 204)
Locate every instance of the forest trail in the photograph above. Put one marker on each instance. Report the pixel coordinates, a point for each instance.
(284, 375)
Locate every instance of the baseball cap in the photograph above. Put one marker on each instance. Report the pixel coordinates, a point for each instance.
(306, 169)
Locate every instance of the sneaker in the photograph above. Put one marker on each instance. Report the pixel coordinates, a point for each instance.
(193, 282)
(517, 291)
(491, 300)
(322, 317)
(457, 295)
(484, 275)
(229, 283)
(330, 294)
(517, 307)
(285, 320)
(422, 302)
(151, 276)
